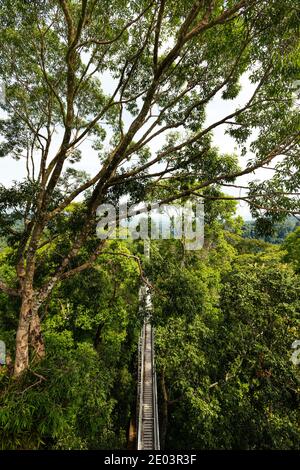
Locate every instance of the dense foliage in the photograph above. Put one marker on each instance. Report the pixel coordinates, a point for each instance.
(226, 321)
(127, 87)
(225, 316)
(83, 394)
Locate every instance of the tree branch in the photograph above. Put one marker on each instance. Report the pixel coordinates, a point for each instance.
(8, 290)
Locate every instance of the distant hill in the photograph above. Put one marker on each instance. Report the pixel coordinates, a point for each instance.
(279, 232)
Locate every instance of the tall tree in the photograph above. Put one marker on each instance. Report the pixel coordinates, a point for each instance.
(164, 61)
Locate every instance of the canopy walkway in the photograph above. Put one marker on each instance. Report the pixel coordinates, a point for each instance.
(147, 410)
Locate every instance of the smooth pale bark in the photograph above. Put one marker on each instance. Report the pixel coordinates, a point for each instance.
(28, 334)
(29, 327)
(22, 338)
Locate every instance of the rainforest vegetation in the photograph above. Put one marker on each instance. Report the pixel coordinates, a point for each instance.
(225, 316)
(107, 100)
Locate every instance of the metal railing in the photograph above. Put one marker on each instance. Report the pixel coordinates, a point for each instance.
(147, 413)
(140, 395)
(155, 401)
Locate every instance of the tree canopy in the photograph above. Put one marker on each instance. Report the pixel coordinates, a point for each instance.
(164, 61)
(130, 84)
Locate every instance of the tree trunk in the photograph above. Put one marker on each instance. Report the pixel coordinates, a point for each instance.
(35, 335)
(97, 338)
(164, 424)
(28, 333)
(22, 338)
